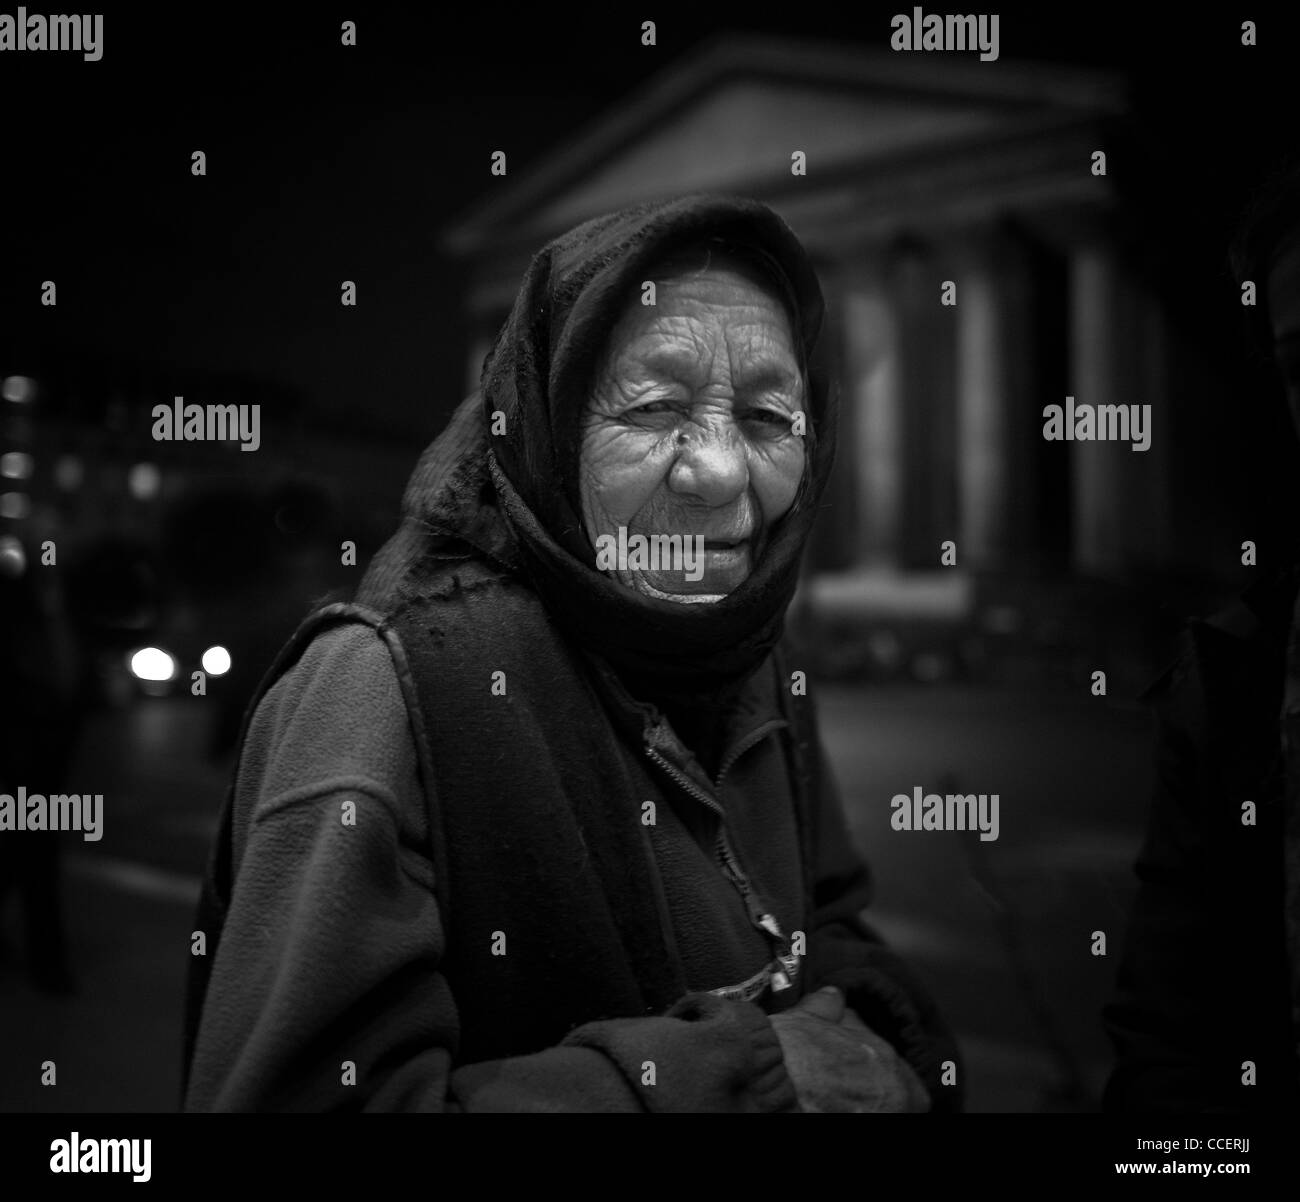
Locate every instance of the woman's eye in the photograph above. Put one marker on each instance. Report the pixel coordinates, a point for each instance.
(651, 408)
(768, 417)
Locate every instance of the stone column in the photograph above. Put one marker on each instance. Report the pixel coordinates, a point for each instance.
(872, 421)
(1098, 469)
(925, 385)
(995, 416)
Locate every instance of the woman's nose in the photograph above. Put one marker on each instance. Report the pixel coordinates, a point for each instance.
(711, 463)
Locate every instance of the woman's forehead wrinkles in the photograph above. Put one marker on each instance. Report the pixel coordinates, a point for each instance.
(704, 334)
(714, 328)
(752, 364)
(720, 302)
(675, 360)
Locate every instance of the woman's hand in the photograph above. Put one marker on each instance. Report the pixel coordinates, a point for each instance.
(838, 1064)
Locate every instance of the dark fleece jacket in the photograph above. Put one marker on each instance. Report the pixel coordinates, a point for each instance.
(462, 868)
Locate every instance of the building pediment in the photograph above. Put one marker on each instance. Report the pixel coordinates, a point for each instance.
(730, 117)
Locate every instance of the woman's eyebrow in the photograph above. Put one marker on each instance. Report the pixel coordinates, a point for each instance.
(766, 375)
(677, 363)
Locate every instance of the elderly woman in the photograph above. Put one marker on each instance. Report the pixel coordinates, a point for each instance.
(525, 830)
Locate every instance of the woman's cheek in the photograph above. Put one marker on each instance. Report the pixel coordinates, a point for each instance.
(776, 470)
(628, 472)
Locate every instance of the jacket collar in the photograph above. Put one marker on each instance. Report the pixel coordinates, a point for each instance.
(755, 712)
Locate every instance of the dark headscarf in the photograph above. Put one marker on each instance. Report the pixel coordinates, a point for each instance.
(514, 496)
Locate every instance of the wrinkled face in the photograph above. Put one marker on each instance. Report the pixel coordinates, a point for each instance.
(1283, 292)
(688, 430)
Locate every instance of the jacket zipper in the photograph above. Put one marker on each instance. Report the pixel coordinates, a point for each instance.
(685, 781)
(754, 736)
(731, 868)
